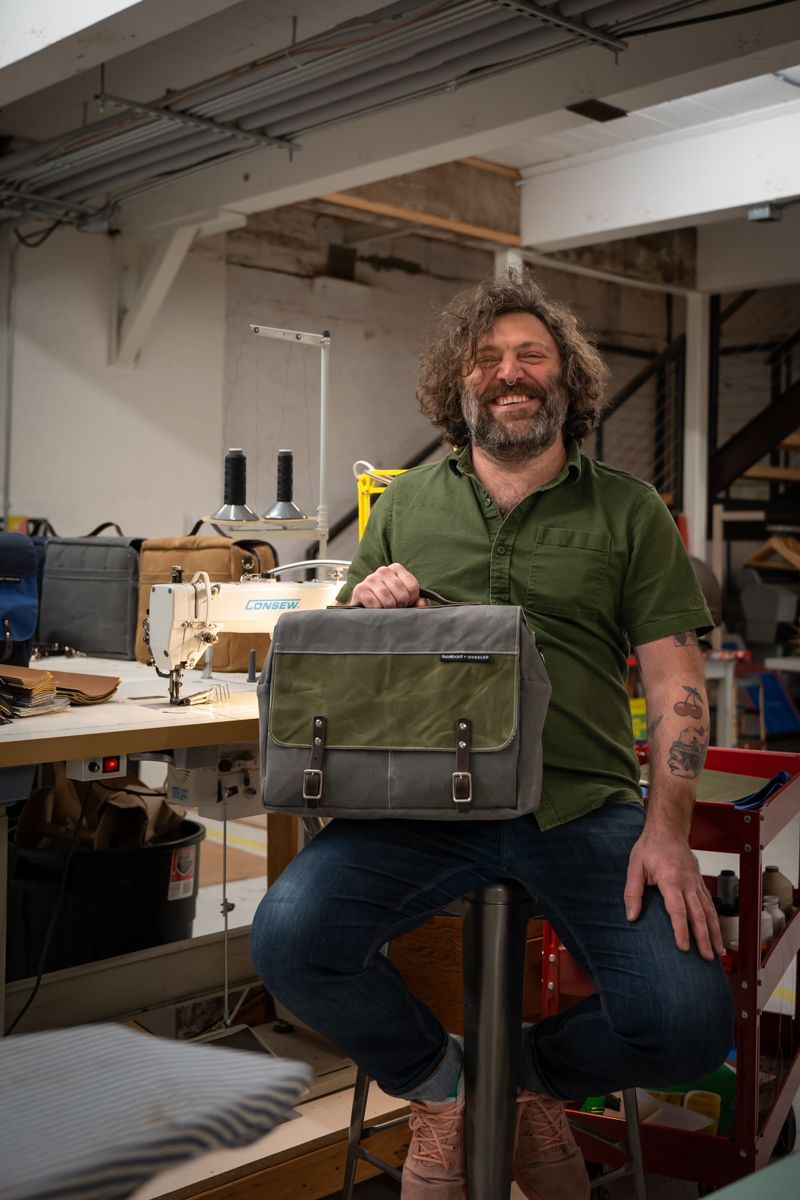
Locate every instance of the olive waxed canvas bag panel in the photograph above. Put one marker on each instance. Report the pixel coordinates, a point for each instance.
(224, 561)
(90, 595)
(425, 713)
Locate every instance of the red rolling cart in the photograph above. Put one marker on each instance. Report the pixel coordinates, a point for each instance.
(708, 1159)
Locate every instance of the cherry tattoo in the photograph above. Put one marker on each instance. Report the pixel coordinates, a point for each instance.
(691, 705)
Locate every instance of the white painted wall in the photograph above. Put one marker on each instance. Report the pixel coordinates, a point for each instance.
(140, 446)
(272, 388)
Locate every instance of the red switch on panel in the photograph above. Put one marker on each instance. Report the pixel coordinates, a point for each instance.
(110, 764)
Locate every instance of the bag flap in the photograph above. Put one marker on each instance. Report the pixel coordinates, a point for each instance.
(396, 679)
(188, 544)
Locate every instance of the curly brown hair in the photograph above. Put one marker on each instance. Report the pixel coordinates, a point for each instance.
(450, 352)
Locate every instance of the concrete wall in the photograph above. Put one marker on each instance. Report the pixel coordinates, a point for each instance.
(90, 442)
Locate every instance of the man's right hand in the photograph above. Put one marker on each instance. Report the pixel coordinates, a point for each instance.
(388, 587)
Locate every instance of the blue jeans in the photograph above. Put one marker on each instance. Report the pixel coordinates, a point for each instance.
(659, 1016)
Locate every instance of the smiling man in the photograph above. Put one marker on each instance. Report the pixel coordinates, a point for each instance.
(516, 514)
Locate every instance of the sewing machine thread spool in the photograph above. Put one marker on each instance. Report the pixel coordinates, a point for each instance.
(284, 509)
(234, 506)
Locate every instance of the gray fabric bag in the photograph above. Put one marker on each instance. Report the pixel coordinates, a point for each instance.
(90, 594)
(431, 713)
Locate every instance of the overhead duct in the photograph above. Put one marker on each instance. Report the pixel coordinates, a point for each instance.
(399, 53)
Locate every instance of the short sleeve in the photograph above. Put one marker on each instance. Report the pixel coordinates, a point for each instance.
(661, 594)
(374, 549)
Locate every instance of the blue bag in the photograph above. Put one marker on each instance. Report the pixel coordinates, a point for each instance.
(19, 598)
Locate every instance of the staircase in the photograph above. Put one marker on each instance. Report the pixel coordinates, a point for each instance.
(755, 403)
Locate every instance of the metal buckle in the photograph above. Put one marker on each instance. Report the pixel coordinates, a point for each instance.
(312, 783)
(462, 781)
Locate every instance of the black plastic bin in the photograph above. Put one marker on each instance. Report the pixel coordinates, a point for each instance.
(114, 902)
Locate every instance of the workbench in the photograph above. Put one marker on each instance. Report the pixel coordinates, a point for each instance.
(137, 719)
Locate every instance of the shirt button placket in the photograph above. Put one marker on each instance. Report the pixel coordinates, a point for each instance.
(500, 584)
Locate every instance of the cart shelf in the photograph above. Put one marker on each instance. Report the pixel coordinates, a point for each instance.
(709, 1159)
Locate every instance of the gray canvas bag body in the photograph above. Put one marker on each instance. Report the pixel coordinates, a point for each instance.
(90, 594)
(424, 713)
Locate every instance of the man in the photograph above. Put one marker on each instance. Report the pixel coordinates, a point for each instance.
(517, 515)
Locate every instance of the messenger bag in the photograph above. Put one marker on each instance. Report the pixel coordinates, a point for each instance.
(423, 713)
(224, 561)
(89, 593)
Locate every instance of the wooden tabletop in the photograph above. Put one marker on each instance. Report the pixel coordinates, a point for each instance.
(137, 718)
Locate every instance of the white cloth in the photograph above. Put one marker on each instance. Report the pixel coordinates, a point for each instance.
(91, 1113)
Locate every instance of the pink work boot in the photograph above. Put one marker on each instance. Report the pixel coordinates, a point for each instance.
(547, 1163)
(434, 1166)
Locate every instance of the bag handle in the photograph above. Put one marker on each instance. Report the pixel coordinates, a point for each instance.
(199, 525)
(41, 527)
(105, 525)
(437, 598)
(428, 594)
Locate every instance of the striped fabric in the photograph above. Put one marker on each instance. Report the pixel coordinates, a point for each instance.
(91, 1113)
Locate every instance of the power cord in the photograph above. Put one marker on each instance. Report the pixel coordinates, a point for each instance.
(53, 918)
(109, 787)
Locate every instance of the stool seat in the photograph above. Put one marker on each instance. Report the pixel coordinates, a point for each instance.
(494, 933)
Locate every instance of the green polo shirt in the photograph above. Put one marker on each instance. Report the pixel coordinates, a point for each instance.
(598, 566)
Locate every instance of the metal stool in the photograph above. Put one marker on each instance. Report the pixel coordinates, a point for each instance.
(495, 925)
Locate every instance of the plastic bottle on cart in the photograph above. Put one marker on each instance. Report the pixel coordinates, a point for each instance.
(775, 883)
(776, 912)
(767, 928)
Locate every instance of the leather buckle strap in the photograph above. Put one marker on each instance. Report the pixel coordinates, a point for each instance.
(462, 776)
(314, 776)
(7, 644)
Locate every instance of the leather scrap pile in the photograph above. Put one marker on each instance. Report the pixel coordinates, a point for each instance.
(30, 692)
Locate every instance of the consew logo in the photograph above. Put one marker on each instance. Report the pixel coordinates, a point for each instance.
(271, 605)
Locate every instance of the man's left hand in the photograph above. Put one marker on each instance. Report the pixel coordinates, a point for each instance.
(666, 862)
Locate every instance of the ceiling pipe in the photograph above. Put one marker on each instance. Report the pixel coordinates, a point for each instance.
(385, 72)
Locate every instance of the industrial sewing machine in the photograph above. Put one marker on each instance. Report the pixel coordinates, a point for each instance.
(186, 618)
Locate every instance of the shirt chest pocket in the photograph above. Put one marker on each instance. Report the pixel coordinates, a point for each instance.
(568, 571)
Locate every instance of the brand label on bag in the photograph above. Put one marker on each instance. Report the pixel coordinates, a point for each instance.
(476, 658)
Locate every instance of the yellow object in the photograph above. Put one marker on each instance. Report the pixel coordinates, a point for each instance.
(639, 718)
(708, 1104)
(369, 488)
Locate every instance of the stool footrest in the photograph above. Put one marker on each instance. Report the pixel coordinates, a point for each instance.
(371, 1130)
(380, 1163)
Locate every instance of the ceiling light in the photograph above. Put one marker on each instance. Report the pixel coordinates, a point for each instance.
(764, 212)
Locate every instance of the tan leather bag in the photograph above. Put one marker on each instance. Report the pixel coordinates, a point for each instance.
(224, 561)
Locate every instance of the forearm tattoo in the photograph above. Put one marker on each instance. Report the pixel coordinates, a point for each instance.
(686, 639)
(688, 753)
(653, 725)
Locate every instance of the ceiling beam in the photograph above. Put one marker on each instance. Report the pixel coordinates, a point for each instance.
(665, 182)
(45, 41)
(749, 254)
(474, 119)
(137, 315)
(459, 197)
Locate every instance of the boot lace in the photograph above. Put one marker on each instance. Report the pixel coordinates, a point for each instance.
(542, 1122)
(437, 1134)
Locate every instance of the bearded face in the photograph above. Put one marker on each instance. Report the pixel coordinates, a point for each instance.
(515, 421)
